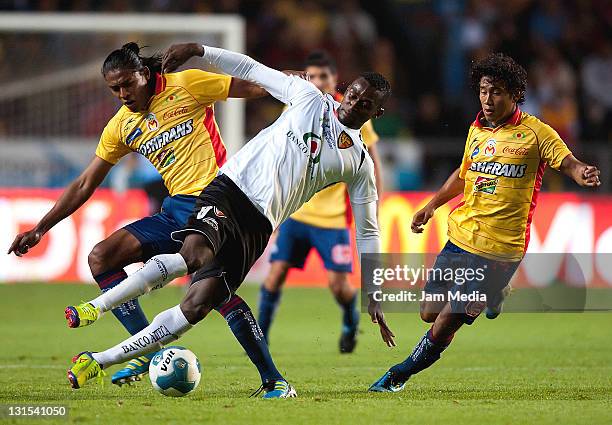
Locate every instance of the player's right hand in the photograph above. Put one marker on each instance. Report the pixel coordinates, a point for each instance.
(24, 241)
(421, 218)
(178, 54)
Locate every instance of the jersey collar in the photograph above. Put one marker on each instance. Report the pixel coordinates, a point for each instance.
(160, 83)
(514, 119)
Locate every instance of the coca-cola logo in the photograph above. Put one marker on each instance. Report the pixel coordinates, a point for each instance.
(520, 151)
(176, 112)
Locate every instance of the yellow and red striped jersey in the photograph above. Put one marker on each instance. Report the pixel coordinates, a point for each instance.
(502, 169)
(178, 134)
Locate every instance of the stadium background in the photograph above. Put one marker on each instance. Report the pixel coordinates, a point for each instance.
(50, 117)
(520, 368)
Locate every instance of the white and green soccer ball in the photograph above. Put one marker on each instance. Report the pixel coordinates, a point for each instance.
(175, 371)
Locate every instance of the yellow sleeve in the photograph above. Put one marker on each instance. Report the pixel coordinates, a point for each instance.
(205, 87)
(111, 148)
(552, 149)
(368, 134)
(466, 161)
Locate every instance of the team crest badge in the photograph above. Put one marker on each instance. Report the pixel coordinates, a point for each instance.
(344, 141)
(489, 149)
(152, 123)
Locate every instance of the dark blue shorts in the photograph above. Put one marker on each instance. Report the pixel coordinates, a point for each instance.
(295, 240)
(154, 232)
(490, 281)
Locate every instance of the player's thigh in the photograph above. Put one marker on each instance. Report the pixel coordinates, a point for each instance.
(437, 286)
(117, 251)
(292, 244)
(203, 296)
(197, 251)
(334, 248)
(155, 234)
(277, 275)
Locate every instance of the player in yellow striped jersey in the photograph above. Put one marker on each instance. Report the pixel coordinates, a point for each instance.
(500, 176)
(322, 223)
(168, 118)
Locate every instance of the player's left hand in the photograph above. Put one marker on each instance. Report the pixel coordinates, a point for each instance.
(377, 316)
(178, 54)
(589, 176)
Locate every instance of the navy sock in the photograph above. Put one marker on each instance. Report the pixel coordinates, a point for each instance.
(268, 303)
(350, 316)
(129, 313)
(246, 330)
(426, 353)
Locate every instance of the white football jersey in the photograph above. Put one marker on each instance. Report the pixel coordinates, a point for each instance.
(305, 150)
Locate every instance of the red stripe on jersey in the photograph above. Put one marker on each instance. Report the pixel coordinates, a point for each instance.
(534, 200)
(348, 213)
(215, 137)
(160, 83)
(460, 204)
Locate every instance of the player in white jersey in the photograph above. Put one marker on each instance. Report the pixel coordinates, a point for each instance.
(313, 144)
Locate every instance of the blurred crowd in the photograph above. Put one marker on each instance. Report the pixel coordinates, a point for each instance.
(425, 49)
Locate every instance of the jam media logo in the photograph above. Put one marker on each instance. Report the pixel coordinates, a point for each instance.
(175, 112)
(489, 149)
(133, 136)
(165, 158)
(475, 152)
(485, 184)
(344, 141)
(152, 123)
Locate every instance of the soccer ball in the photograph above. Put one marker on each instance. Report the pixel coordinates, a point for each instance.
(175, 371)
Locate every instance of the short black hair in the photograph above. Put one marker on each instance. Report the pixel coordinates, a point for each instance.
(128, 57)
(379, 82)
(501, 68)
(321, 59)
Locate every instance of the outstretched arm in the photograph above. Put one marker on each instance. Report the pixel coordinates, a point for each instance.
(453, 186)
(278, 84)
(75, 195)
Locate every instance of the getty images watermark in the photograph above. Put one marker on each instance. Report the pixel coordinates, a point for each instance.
(409, 282)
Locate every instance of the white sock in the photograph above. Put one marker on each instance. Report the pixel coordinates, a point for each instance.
(167, 326)
(156, 273)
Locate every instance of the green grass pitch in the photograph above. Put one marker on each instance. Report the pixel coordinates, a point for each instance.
(519, 368)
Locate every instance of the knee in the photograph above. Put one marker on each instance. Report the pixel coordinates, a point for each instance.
(339, 286)
(428, 316)
(193, 310)
(276, 276)
(98, 259)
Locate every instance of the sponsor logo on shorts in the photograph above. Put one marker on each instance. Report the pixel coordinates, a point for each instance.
(342, 254)
(520, 151)
(166, 137)
(203, 211)
(133, 136)
(175, 112)
(485, 184)
(344, 141)
(489, 149)
(499, 169)
(219, 213)
(211, 222)
(152, 123)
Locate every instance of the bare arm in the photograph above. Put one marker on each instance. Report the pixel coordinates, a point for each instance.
(453, 186)
(75, 195)
(583, 174)
(245, 90)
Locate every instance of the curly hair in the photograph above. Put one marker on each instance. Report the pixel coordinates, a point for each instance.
(501, 68)
(379, 82)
